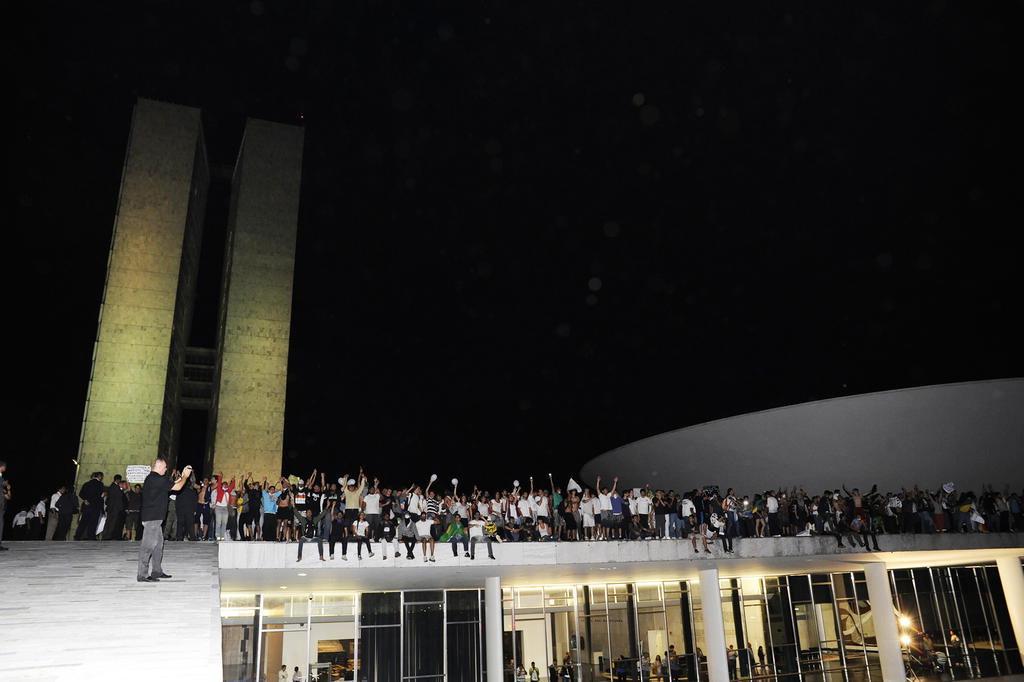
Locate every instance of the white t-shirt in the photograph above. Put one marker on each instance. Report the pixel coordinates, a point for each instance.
(524, 507)
(483, 508)
(687, 507)
(587, 507)
(372, 501)
(773, 504)
(53, 500)
(542, 507)
(495, 507)
(21, 518)
(643, 505)
(460, 509)
(223, 501)
(476, 529)
(423, 527)
(414, 503)
(360, 528)
(605, 501)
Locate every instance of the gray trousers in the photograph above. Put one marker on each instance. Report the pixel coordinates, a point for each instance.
(171, 522)
(151, 549)
(51, 524)
(220, 517)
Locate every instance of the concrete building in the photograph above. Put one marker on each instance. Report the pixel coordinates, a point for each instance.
(972, 432)
(945, 606)
(144, 372)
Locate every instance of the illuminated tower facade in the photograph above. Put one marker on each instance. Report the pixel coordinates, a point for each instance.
(144, 372)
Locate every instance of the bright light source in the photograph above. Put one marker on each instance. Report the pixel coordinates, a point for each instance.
(904, 622)
(284, 587)
(905, 640)
(302, 575)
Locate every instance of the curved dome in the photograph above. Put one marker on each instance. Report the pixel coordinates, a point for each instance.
(969, 433)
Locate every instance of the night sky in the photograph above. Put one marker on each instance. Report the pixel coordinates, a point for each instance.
(532, 232)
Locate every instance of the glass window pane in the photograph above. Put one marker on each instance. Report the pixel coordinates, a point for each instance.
(529, 598)
(283, 648)
(594, 649)
(799, 588)
(463, 605)
(564, 637)
(464, 652)
(379, 654)
(332, 605)
(380, 608)
(281, 609)
(238, 652)
(332, 651)
(842, 584)
(423, 640)
(431, 596)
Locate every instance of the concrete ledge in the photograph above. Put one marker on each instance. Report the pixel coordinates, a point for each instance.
(252, 555)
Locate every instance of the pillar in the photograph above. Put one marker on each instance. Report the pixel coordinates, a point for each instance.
(1012, 578)
(714, 625)
(131, 410)
(252, 373)
(494, 626)
(890, 653)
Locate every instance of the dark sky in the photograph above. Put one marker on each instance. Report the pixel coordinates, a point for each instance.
(531, 232)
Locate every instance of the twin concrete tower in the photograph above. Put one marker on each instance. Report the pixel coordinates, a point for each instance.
(144, 374)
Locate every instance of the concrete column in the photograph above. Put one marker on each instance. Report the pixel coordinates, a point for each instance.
(714, 625)
(890, 653)
(1012, 578)
(494, 624)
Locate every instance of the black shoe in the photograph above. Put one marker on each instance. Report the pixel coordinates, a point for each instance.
(161, 575)
(150, 579)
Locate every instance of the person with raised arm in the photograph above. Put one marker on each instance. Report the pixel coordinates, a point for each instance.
(221, 496)
(155, 491)
(414, 495)
(354, 488)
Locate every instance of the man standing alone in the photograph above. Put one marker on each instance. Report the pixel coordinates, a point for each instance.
(155, 491)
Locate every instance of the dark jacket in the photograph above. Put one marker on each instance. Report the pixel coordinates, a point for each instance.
(66, 505)
(311, 527)
(92, 492)
(115, 499)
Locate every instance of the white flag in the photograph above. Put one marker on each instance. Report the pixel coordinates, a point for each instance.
(573, 485)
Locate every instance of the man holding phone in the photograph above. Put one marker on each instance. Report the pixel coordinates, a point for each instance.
(155, 491)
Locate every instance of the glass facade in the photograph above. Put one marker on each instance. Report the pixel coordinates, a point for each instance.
(371, 636)
(954, 622)
(788, 628)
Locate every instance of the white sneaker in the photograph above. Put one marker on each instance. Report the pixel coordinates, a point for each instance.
(344, 557)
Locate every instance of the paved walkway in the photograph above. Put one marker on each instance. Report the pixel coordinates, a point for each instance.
(74, 611)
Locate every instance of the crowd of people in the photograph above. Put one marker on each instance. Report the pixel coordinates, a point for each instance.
(374, 516)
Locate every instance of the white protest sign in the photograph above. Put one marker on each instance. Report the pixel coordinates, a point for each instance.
(136, 473)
